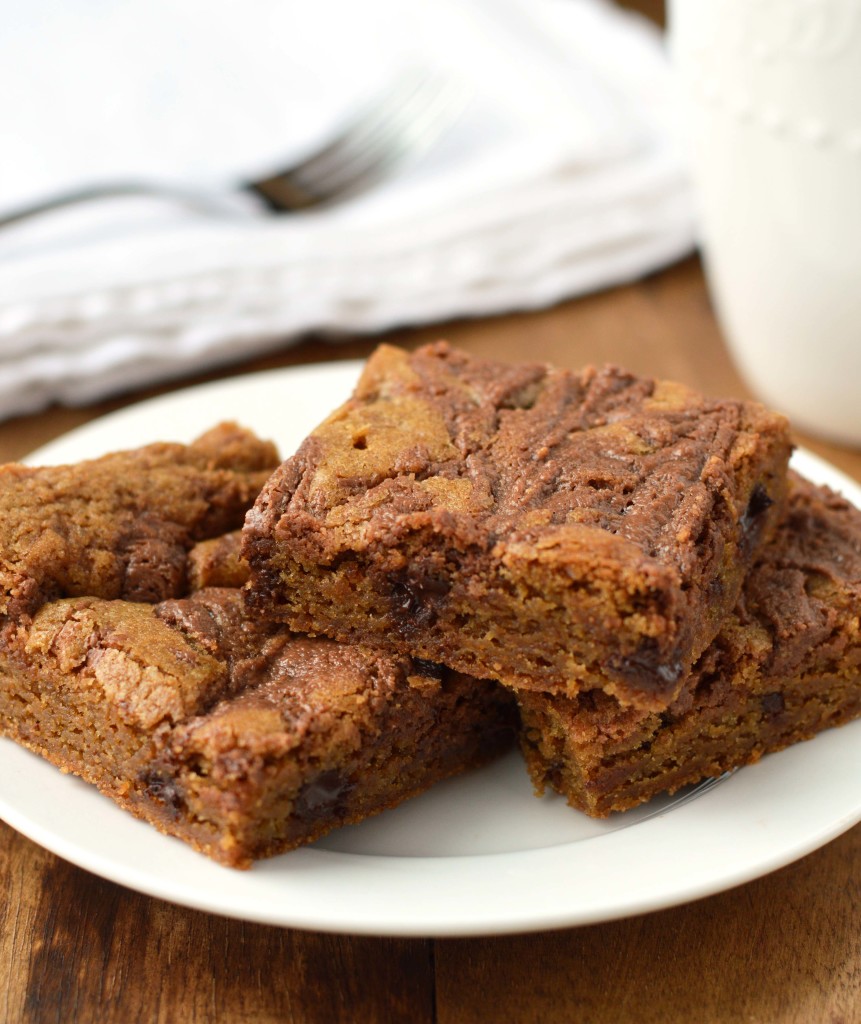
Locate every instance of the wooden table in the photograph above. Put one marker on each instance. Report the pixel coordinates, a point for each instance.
(786, 948)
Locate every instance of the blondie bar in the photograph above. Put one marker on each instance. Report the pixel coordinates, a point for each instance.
(120, 526)
(551, 529)
(785, 665)
(219, 728)
(237, 737)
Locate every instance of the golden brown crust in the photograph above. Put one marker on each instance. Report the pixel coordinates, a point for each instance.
(785, 665)
(120, 526)
(521, 522)
(219, 728)
(238, 737)
(217, 563)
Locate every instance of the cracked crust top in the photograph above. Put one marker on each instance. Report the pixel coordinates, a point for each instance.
(120, 526)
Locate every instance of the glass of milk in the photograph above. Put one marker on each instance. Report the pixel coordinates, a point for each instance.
(771, 93)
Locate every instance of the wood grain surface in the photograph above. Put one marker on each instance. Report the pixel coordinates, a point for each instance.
(783, 949)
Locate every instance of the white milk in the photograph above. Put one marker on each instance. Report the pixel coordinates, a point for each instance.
(771, 93)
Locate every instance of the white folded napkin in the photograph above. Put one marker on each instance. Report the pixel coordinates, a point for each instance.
(560, 176)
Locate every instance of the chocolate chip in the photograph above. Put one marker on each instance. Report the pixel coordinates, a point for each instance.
(415, 597)
(759, 503)
(751, 520)
(423, 667)
(164, 790)
(321, 795)
(641, 669)
(772, 704)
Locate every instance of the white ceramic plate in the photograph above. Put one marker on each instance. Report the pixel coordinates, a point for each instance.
(476, 855)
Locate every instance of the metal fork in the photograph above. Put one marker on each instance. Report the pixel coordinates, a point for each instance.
(401, 123)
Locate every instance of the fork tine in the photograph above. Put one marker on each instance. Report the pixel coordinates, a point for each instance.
(408, 87)
(403, 123)
(406, 130)
(299, 186)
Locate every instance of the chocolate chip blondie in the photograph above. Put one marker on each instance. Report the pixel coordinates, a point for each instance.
(558, 531)
(239, 738)
(127, 658)
(785, 665)
(121, 526)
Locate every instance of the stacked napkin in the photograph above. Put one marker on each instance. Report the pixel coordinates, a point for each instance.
(559, 175)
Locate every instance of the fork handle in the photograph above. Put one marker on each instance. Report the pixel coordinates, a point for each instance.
(207, 202)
